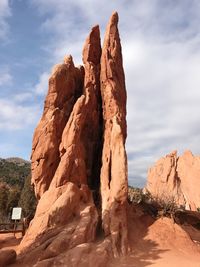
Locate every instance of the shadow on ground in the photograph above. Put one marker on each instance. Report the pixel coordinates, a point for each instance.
(9, 240)
(143, 252)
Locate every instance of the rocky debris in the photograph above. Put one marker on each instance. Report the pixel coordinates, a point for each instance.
(7, 256)
(79, 165)
(176, 179)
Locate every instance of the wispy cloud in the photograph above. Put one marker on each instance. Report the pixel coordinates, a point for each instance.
(5, 76)
(15, 116)
(23, 97)
(161, 41)
(41, 87)
(163, 94)
(5, 12)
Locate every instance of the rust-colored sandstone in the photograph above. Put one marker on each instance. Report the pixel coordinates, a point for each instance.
(176, 179)
(79, 165)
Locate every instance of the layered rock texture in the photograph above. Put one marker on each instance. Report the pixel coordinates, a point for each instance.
(177, 180)
(79, 164)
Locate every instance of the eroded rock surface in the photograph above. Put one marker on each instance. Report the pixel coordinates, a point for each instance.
(176, 179)
(79, 164)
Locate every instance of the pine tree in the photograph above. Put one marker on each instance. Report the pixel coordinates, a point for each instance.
(4, 191)
(27, 199)
(13, 198)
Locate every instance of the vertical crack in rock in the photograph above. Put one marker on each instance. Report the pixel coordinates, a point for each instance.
(80, 138)
(109, 170)
(114, 170)
(93, 129)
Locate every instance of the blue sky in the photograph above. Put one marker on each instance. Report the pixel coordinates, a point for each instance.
(161, 50)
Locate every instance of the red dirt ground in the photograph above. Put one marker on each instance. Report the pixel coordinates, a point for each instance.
(160, 243)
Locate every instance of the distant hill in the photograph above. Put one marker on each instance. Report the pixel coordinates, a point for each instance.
(17, 160)
(13, 171)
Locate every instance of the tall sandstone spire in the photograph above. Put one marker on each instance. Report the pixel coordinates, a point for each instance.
(79, 165)
(114, 161)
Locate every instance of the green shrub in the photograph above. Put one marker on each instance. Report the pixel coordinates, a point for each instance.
(137, 195)
(13, 174)
(4, 192)
(167, 207)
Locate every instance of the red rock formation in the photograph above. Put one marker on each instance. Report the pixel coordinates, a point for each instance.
(65, 85)
(176, 179)
(81, 135)
(114, 160)
(67, 158)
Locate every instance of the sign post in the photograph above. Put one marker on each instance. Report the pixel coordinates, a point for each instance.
(16, 215)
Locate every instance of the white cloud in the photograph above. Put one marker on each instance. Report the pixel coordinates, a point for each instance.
(7, 149)
(161, 43)
(22, 97)
(163, 99)
(15, 116)
(5, 76)
(5, 12)
(41, 87)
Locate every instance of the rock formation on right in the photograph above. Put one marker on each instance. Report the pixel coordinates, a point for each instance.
(176, 179)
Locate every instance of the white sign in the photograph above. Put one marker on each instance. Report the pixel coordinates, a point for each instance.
(16, 213)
